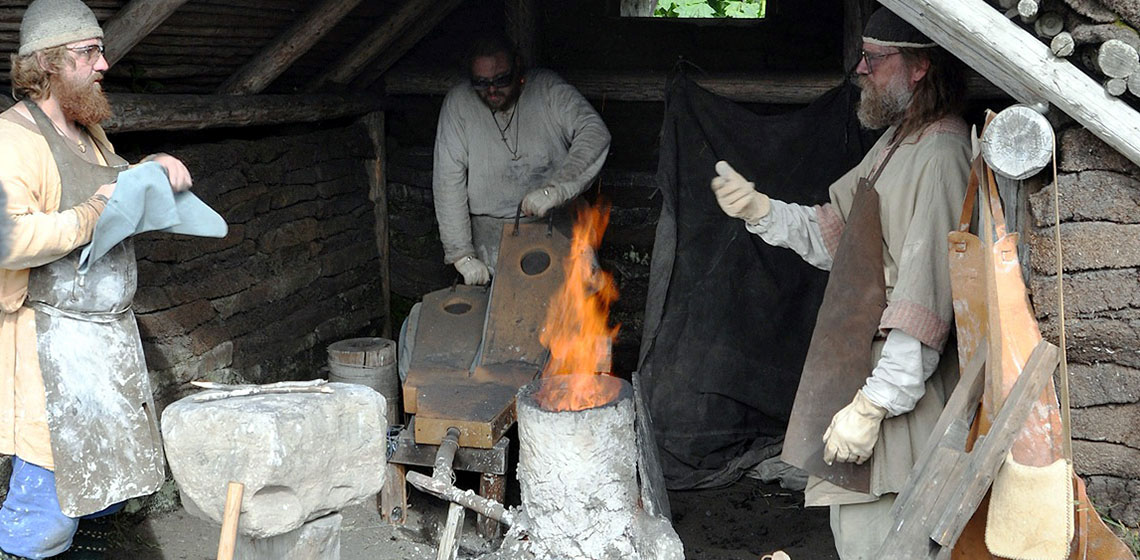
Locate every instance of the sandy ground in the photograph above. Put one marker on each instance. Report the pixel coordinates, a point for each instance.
(743, 521)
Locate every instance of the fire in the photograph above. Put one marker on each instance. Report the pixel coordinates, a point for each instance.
(576, 330)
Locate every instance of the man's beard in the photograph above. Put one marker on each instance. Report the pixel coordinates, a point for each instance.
(882, 108)
(504, 102)
(81, 101)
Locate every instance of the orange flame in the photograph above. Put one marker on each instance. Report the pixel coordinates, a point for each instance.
(576, 330)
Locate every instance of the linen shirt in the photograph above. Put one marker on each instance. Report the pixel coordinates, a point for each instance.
(485, 162)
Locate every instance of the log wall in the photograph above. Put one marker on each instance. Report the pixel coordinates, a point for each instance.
(298, 270)
(1100, 242)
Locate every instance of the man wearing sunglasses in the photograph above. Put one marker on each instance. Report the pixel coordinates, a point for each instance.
(887, 311)
(509, 137)
(57, 171)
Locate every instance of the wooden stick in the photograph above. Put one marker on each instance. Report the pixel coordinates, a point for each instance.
(230, 521)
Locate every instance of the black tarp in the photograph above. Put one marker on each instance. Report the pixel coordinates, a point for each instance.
(728, 318)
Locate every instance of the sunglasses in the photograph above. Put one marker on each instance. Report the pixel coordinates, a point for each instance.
(501, 81)
(90, 53)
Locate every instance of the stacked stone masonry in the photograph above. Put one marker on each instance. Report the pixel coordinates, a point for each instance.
(1100, 242)
(298, 270)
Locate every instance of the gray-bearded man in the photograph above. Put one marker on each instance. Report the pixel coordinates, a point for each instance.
(883, 237)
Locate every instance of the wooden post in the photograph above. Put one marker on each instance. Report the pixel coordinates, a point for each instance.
(855, 15)
(492, 487)
(378, 194)
(132, 23)
(230, 520)
(294, 42)
(393, 499)
(1017, 62)
(522, 27)
(375, 43)
(452, 533)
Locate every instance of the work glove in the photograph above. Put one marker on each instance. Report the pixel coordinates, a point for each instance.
(540, 201)
(853, 431)
(473, 271)
(737, 196)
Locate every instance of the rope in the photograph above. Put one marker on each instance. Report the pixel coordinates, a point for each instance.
(1066, 426)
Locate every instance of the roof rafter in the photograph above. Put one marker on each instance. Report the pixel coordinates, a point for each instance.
(275, 58)
(384, 36)
(133, 23)
(417, 31)
(1024, 67)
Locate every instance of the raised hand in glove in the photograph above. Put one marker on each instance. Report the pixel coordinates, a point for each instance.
(737, 196)
(473, 271)
(540, 201)
(853, 431)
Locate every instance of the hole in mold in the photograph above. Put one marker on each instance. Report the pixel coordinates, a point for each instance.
(535, 262)
(457, 307)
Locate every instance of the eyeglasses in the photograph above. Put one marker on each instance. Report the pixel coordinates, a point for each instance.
(90, 53)
(501, 81)
(870, 58)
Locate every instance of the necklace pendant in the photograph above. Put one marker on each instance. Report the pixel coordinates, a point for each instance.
(82, 147)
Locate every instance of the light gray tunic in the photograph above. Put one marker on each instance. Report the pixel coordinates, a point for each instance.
(559, 141)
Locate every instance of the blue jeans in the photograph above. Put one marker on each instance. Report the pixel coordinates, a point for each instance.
(31, 523)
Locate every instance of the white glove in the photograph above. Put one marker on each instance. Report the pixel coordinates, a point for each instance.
(473, 271)
(540, 201)
(737, 196)
(853, 431)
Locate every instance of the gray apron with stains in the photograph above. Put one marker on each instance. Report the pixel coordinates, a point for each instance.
(100, 410)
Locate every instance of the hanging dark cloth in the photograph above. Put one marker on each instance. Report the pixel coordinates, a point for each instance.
(728, 318)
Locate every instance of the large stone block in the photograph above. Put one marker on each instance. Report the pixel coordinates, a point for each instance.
(1089, 196)
(299, 455)
(1086, 246)
(1114, 423)
(1118, 497)
(1103, 383)
(1102, 458)
(1090, 292)
(1081, 150)
(316, 540)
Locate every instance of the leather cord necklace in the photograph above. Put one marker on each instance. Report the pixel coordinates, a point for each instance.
(503, 132)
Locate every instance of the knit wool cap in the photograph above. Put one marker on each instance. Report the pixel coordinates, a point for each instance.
(50, 23)
(887, 29)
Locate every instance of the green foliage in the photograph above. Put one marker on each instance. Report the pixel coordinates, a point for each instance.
(753, 9)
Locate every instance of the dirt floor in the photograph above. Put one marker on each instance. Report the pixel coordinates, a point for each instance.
(743, 521)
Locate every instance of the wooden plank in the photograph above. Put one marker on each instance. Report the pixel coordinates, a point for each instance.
(653, 494)
(651, 86)
(990, 452)
(375, 43)
(378, 194)
(522, 28)
(1016, 61)
(393, 498)
(418, 30)
(134, 22)
(136, 112)
(452, 533)
(482, 411)
(276, 57)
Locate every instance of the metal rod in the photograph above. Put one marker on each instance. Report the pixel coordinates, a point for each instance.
(466, 498)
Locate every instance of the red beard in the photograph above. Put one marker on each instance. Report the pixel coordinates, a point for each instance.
(81, 101)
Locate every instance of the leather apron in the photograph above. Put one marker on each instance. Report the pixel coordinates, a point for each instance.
(840, 356)
(100, 410)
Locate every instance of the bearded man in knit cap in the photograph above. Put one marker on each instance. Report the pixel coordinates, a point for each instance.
(75, 404)
(886, 313)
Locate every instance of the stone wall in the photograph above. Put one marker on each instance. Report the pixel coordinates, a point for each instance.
(298, 270)
(1100, 242)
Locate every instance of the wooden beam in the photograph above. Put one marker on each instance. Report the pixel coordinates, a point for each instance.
(283, 51)
(1017, 62)
(650, 86)
(522, 28)
(144, 112)
(378, 194)
(375, 43)
(134, 22)
(413, 35)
